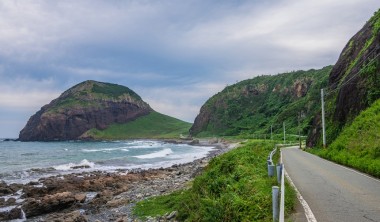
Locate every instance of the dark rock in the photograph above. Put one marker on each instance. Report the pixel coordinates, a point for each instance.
(13, 214)
(49, 203)
(74, 216)
(351, 98)
(194, 142)
(5, 191)
(10, 201)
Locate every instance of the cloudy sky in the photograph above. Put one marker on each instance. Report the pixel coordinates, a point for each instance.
(175, 54)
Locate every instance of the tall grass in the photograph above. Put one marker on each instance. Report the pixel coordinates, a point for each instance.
(234, 187)
(358, 145)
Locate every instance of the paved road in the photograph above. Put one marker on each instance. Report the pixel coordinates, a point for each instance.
(334, 193)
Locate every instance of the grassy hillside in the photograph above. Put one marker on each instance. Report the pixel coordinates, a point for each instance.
(252, 106)
(234, 187)
(154, 125)
(358, 145)
(88, 94)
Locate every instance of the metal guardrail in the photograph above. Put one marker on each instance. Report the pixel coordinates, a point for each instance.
(278, 208)
(282, 199)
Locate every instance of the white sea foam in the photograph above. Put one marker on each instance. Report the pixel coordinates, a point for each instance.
(70, 166)
(105, 149)
(161, 153)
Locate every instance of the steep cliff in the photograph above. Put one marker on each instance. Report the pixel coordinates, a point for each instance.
(88, 105)
(254, 105)
(354, 82)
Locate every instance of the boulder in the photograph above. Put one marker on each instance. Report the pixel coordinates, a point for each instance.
(49, 203)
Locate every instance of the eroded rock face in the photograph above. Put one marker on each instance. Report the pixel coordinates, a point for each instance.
(348, 83)
(86, 106)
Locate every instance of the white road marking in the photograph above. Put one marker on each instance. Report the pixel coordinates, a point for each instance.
(308, 213)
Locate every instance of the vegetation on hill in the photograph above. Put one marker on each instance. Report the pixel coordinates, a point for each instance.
(354, 82)
(88, 94)
(353, 104)
(358, 145)
(252, 106)
(234, 187)
(154, 125)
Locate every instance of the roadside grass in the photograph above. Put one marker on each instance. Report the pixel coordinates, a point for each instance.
(154, 126)
(358, 145)
(234, 187)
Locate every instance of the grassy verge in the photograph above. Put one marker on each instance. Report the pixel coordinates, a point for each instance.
(358, 145)
(153, 126)
(234, 187)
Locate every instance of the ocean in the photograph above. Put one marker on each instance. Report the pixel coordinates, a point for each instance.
(22, 162)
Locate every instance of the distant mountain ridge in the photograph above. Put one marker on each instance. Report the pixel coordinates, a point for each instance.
(89, 105)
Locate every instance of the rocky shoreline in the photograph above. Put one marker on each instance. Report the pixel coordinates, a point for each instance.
(98, 196)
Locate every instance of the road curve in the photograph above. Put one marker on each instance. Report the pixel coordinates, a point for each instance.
(334, 193)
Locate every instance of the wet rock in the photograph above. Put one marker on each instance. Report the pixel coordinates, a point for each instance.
(74, 216)
(194, 142)
(11, 201)
(13, 214)
(5, 191)
(49, 203)
(117, 202)
(81, 198)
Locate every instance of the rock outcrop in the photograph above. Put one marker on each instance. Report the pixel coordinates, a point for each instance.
(85, 106)
(354, 82)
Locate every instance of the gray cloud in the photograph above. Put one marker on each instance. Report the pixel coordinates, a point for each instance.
(174, 53)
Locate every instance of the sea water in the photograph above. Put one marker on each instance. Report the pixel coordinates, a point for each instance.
(22, 162)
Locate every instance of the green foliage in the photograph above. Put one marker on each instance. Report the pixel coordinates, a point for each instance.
(88, 94)
(252, 106)
(113, 90)
(371, 73)
(234, 187)
(154, 125)
(358, 145)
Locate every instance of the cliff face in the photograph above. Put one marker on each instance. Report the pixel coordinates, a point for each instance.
(254, 105)
(354, 82)
(85, 106)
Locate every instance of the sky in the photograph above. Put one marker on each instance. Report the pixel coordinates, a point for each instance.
(175, 54)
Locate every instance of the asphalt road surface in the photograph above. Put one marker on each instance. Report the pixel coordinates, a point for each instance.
(334, 193)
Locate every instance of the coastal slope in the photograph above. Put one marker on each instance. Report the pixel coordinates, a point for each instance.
(254, 106)
(354, 82)
(86, 108)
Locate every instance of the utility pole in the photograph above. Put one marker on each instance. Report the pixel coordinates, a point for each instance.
(323, 118)
(299, 129)
(284, 131)
(271, 132)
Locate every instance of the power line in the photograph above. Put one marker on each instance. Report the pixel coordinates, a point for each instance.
(353, 76)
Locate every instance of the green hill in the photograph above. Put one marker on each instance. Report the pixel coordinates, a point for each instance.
(154, 125)
(98, 110)
(252, 106)
(358, 145)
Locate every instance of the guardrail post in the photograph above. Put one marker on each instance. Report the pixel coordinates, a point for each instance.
(270, 170)
(275, 191)
(279, 168)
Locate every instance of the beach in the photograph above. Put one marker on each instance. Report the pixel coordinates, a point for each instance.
(100, 195)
